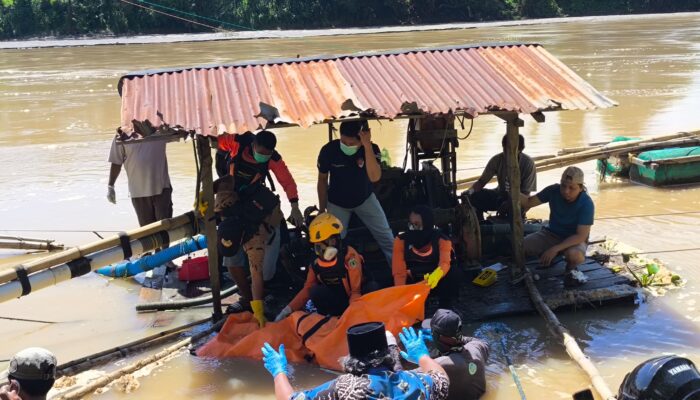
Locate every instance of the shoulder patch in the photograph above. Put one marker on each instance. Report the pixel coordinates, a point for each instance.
(472, 368)
(352, 262)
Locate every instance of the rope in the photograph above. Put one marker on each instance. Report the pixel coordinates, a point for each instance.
(171, 15)
(194, 15)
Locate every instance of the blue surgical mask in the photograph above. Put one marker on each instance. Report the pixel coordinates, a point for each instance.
(261, 158)
(348, 150)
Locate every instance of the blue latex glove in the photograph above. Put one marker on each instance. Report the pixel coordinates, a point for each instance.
(427, 334)
(275, 362)
(414, 344)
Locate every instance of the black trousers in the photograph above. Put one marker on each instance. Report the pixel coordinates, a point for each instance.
(487, 200)
(447, 290)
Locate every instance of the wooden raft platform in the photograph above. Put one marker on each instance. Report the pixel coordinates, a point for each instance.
(504, 299)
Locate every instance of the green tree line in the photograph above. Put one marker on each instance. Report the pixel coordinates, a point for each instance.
(31, 18)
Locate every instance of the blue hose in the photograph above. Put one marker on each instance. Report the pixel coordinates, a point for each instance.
(130, 268)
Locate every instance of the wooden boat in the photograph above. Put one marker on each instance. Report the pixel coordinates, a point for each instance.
(665, 164)
(666, 167)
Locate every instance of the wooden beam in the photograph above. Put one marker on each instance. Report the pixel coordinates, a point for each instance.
(512, 154)
(538, 116)
(207, 196)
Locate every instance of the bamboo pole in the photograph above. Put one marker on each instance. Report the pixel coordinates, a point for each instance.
(83, 363)
(24, 239)
(205, 162)
(513, 166)
(601, 152)
(133, 367)
(77, 252)
(22, 245)
(572, 348)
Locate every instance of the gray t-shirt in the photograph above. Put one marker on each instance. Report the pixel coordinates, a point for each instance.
(497, 166)
(466, 370)
(146, 166)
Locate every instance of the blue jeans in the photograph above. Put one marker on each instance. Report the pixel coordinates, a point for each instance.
(371, 214)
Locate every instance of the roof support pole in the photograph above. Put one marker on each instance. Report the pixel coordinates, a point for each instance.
(513, 124)
(207, 197)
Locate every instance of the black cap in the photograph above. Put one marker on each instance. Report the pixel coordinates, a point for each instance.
(363, 339)
(445, 322)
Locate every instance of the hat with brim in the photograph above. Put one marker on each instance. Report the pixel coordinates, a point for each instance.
(366, 339)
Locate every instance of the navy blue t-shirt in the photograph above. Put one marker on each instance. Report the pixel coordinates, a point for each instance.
(349, 184)
(564, 217)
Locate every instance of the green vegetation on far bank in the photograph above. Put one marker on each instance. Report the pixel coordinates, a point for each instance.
(27, 18)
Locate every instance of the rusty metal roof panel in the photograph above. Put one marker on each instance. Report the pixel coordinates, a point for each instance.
(523, 78)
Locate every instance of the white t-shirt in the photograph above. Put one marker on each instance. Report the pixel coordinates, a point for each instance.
(146, 166)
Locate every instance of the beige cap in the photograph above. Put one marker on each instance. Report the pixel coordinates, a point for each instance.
(33, 363)
(573, 175)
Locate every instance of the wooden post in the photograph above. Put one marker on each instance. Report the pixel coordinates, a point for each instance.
(207, 196)
(513, 123)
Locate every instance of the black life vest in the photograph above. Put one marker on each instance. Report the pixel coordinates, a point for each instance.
(418, 264)
(245, 172)
(332, 276)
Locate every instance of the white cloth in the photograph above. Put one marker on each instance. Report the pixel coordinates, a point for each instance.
(146, 166)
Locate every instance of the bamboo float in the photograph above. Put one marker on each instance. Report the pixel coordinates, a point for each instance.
(682, 142)
(84, 363)
(618, 147)
(572, 348)
(109, 378)
(600, 152)
(100, 245)
(52, 275)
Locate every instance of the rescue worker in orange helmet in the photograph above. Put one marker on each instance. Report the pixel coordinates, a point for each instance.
(424, 253)
(334, 279)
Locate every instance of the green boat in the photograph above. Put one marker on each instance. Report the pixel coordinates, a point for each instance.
(666, 167)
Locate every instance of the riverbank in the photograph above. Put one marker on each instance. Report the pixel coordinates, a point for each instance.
(295, 34)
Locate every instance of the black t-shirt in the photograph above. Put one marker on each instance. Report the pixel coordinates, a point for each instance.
(349, 184)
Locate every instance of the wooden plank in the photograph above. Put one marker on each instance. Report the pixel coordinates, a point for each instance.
(678, 160)
(504, 299)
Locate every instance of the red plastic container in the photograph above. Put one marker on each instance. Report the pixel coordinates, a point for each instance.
(194, 269)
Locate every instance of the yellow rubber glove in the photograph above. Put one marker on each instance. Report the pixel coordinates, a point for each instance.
(201, 205)
(434, 277)
(258, 311)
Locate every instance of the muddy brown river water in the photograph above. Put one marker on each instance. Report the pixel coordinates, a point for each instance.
(59, 108)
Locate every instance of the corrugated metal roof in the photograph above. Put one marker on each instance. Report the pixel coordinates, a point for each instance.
(235, 98)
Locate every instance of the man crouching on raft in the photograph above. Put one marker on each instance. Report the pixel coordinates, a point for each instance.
(571, 213)
(334, 279)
